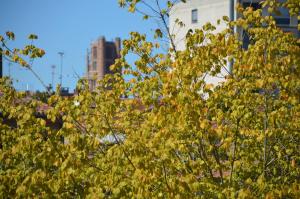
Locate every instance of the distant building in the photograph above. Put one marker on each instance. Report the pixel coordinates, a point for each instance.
(196, 13)
(100, 57)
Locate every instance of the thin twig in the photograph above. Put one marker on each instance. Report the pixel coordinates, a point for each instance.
(118, 142)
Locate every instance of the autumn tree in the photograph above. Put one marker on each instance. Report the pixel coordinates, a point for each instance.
(175, 136)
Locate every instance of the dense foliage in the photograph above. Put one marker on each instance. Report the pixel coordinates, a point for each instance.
(174, 136)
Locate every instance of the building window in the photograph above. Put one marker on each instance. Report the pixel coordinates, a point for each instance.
(93, 84)
(94, 65)
(194, 16)
(282, 21)
(246, 40)
(255, 6)
(94, 52)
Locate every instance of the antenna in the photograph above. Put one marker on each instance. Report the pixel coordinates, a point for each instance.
(61, 66)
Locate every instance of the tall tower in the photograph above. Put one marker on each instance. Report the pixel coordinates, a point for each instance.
(102, 55)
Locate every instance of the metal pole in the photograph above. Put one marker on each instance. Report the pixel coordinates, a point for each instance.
(1, 64)
(231, 17)
(53, 69)
(61, 66)
(9, 67)
(231, 10)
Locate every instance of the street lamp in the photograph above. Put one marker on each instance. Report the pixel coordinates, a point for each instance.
(53, 72)
(61, 66)
(9, 67)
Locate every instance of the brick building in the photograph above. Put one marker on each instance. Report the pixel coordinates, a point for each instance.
(100, 57)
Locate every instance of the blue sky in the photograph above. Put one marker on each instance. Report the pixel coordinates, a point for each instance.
(63, 25)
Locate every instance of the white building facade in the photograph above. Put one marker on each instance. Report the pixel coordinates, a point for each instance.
(196, 13)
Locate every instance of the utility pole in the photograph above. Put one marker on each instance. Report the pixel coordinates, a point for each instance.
(1, 63)
(61, 66)
(9, 67)
(53, 72)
